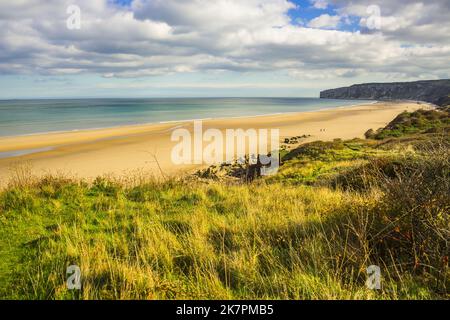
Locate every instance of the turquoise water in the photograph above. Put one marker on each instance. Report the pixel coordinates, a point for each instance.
(22, 117)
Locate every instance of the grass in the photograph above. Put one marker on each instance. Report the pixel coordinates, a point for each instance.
(309, 232)
(419, 121)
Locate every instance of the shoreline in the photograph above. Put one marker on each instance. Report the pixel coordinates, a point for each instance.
(94, 152)
(182, 121)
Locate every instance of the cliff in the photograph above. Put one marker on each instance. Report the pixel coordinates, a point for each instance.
(433, 91)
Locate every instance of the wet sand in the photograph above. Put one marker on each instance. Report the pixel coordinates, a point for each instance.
(147, 148)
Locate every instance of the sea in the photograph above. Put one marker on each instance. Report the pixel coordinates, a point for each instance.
(28, 117)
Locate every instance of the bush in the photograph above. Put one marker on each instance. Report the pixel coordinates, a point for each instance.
(410, 224)
(415, 122)
(370, 134)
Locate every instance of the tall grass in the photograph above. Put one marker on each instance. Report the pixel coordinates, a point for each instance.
(308, 233)
(185, 239)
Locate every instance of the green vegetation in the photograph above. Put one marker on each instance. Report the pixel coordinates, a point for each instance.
(419, 121)
(308, 232)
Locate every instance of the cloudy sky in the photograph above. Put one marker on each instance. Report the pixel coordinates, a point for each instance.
(166, 48)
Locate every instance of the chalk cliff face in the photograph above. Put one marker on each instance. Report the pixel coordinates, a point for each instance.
(434, 91)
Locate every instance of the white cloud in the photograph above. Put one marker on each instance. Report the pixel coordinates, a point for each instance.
(411, 21)
(215, 15)
(320, 4)
(325, 21)
(200, 36)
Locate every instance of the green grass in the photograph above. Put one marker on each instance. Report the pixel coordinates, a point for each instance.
(419, 121)
(309, 232)
(320, 161)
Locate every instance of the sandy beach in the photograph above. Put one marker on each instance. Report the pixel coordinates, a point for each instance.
(123, 150)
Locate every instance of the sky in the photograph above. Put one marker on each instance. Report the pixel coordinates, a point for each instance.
(216, 48)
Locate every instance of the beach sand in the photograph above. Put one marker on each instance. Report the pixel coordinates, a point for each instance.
(147, 149)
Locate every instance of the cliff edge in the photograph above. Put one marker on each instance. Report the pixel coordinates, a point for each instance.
(433, 91)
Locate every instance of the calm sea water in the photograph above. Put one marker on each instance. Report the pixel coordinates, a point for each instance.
(22, 117)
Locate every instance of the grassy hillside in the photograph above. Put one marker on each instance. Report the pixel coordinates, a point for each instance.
(420, 121)
(308, 232)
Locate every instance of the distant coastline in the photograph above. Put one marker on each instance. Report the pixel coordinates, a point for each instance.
(436, 92)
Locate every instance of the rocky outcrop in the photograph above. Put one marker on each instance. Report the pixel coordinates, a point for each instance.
(433, 91)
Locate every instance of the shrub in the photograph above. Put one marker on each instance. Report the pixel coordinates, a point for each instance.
(410, 224)
(370, 134)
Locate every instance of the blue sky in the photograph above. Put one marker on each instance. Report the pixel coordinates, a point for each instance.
(307, 12)
(170, 48)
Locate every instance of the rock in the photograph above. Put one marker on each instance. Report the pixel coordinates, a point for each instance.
(433, 91)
